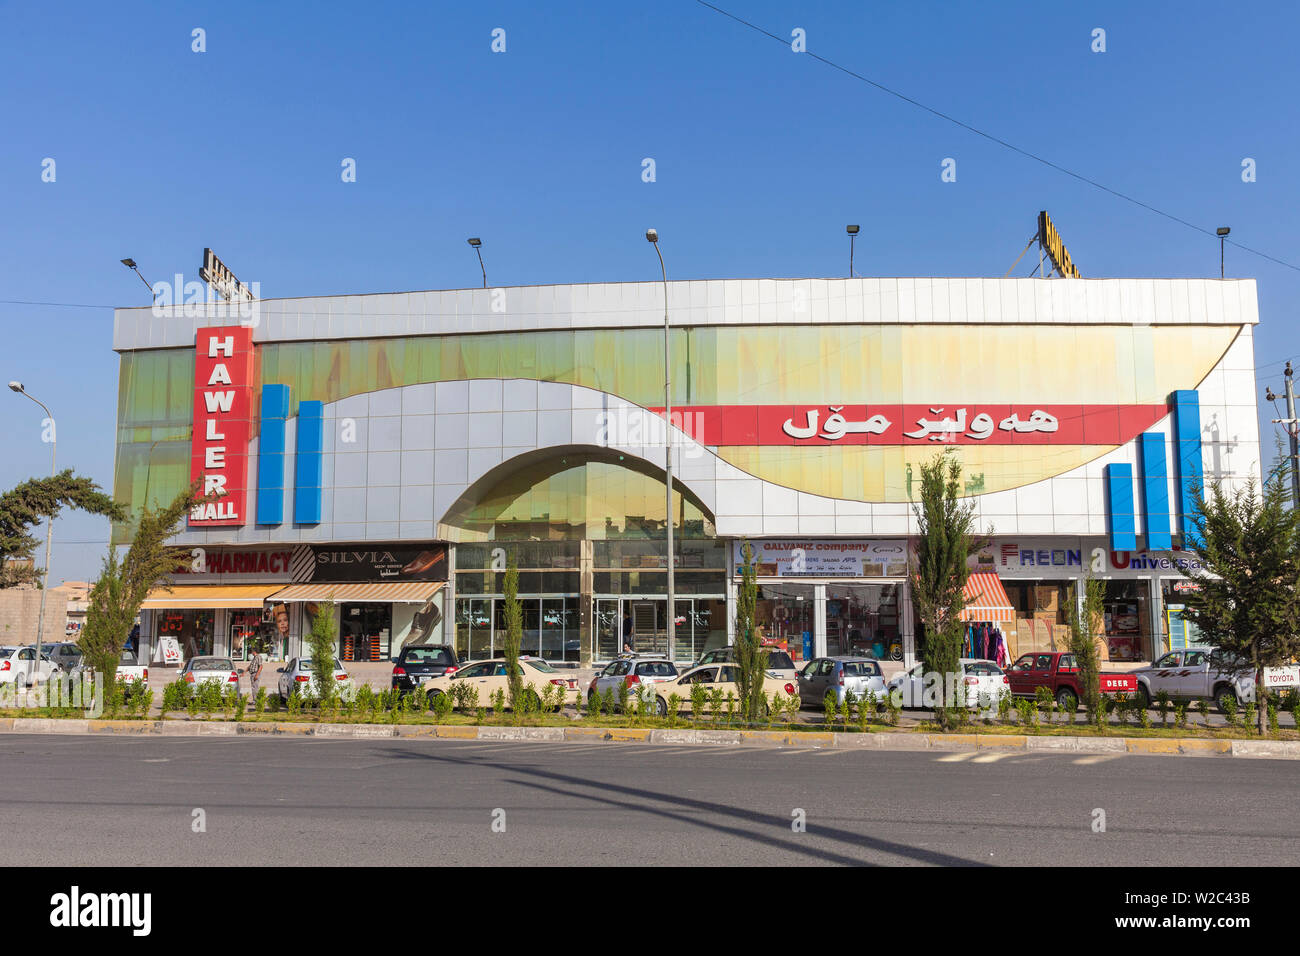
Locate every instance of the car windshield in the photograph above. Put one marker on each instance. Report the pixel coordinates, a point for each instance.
(212, 664)
(6, 653)
(128, 659)
(305, 665)
(780, 660)
(428, 655)
(542, 666)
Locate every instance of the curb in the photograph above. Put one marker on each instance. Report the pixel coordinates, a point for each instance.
(883, 740)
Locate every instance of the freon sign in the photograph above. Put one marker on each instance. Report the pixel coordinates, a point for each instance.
(223, 409)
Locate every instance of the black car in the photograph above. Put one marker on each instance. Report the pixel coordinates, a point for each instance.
(418, 662)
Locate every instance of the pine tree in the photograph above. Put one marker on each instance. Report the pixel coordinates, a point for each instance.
(115, 598)
(514, 634)
(1247, 603)
(751, 656)
(38, 500)
(945, 527)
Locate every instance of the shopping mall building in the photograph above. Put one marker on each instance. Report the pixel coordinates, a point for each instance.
(381, 457)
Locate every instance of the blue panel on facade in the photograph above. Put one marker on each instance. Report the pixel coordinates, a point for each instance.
(1187, 438)
(270, 454)
(309, 463)
(1119, 498)
(1155, 492)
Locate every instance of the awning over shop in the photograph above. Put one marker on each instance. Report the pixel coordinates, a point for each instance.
(403, 592)
(986, 599)
(194, 596)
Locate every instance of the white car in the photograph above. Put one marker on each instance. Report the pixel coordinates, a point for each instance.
(983, 684)
(1194, 673)
(298, 671)
(638, 673)
(18, 667)
(210, 670)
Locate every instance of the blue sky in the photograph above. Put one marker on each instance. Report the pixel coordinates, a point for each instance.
(762, 156)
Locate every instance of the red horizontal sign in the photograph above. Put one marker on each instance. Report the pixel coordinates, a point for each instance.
(969, 424)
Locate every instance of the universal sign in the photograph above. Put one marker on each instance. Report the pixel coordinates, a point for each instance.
(1050, 240)
(223, 406)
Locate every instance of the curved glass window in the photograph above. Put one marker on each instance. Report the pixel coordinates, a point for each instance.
(589, 496)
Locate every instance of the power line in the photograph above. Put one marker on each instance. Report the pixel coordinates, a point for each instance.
(994, 139)
(61, 305)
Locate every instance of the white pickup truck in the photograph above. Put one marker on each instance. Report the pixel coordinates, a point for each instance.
(1196, 673)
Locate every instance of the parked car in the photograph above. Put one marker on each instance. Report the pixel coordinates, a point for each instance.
(210, 670)
(639, 674)
(983, 684)
(298, 671)
(779, 663)
(723, 677)
(487, 677)
(130, 669)
(1199, 672)
(66, 654)
(839, 676)
(18, 667)
(1059, 673)
(418, 662)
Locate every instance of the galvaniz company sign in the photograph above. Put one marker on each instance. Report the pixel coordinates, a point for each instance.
(223, 408)
(826, 557)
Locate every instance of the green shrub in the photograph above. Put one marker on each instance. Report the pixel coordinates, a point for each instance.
(699, 695)
(442, 705)
(1162, 705)
(607, 701)
(498, 702)
(1249, 714)
(259, 702)
(829, 709)
(893, 707)
(674, 708)
(1230, 709)
(716, 699)
(1005, 704)
(1180, 716)
(1271, 703)
(731, 706)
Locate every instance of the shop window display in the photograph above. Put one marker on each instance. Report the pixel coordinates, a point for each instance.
(193, 630)
(863, 619)
(784, 618)
(1042, 616)
(1128, 620)
(255, 631)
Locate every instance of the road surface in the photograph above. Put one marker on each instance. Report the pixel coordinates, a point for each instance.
(107, 801)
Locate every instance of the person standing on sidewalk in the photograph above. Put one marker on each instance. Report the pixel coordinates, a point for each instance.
(254, 669)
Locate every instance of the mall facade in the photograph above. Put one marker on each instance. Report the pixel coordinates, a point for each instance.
(381, 458)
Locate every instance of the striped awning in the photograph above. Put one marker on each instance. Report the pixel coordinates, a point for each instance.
(194, 596)
(986, 599)
(383, 592)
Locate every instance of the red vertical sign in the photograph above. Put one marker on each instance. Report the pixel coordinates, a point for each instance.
(223, 409)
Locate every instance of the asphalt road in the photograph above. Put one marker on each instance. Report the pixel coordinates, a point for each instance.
(107, 801)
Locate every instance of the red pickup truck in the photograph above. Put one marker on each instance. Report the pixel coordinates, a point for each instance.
(1057, 672)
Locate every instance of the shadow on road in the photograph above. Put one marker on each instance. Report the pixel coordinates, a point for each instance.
(678, 807)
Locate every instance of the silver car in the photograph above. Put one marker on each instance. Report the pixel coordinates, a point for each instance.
(838, 677)
(637, 673)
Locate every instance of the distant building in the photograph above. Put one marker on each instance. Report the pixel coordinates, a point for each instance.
(78, 598)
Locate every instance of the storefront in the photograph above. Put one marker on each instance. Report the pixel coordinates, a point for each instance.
(380, 597)
(439, 427)
(820, 596)
(195, 620)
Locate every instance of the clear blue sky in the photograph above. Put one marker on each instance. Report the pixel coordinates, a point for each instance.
(762, 157)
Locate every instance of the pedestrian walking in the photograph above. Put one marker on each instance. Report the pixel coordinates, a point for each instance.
(254, 670)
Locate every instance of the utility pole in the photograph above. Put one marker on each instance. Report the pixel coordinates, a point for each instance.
(1293, 427)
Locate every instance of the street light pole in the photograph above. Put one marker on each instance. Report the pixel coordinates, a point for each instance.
(49, 529)
(653, 237)
(478, 247)
(853, 234)
(1222, 233)
(1293, 427)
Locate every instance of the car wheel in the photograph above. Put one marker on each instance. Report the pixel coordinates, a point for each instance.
(1067, 700)
(432, 696)
(661, 707)
(1143, 697)
(1222, 694)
